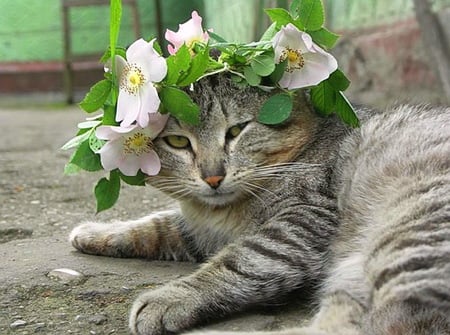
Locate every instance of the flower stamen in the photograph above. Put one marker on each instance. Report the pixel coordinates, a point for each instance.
(132, 79)
(138, 144)
(295, 59)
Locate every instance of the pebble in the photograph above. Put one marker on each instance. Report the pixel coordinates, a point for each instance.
(66, 275)
(39, 326)
(98, 319)
(18, 323)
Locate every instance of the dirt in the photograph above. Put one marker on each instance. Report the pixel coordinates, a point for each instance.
(39, 206)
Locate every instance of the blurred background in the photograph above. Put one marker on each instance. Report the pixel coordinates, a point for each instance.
(392, 50)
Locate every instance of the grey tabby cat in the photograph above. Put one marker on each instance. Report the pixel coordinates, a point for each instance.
(272, 209)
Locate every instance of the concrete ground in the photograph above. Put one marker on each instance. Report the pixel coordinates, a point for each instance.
(38, 208)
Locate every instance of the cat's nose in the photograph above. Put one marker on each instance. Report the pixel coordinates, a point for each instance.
(214, 181)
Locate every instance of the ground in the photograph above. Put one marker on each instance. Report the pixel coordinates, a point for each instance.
(39, 206)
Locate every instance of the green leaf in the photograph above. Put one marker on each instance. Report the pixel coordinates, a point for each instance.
(276, 109)
(339, 81)
(94, 143)
(114, 28)
(239, 81)
(279, 71)
(280, 17)
(97, 96)
(157, 48)
(71, 169)
(109, 116)
(324, 38)
(252, 78)
(323, 97)
(178, 64)
(311, 14)
(86, 159)
(199, 64)
(138, 180)
(76, 141)
(293, 8)
(269, 33)
(107, 191)
(180, 105)
(345, 111)
(263, 65)
(107, 55)
(216, 37)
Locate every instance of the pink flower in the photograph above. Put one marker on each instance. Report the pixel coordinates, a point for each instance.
(307, 63)
(131, 148)
(188, 33)
(138, 97)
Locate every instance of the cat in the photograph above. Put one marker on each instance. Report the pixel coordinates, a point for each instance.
(363, 215)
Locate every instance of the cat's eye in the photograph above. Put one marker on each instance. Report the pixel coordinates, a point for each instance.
(235, 130)
(179, 142)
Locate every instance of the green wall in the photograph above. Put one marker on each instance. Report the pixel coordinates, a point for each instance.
(31, 30)
(352, 14)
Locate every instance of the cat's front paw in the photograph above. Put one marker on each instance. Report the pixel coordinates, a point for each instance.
(169, 309)
(98, 239)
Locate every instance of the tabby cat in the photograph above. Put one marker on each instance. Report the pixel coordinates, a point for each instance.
(270, 209)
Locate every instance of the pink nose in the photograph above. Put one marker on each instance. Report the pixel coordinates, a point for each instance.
(214, 181)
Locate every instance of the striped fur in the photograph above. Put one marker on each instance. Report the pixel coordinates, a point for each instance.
(364, 212)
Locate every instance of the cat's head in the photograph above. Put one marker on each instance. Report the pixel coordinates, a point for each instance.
(229, 154)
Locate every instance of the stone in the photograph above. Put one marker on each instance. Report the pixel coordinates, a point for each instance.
(66, 275)
(98, 319)
(18, 323)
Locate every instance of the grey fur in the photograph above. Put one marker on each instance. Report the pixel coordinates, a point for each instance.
(365, 212)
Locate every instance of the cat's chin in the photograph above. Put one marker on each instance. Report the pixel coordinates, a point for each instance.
(219, 200)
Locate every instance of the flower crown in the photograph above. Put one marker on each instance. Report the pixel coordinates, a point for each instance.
(142, 88)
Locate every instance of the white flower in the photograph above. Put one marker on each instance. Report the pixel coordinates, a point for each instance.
(131, 148)
(138, 97)
(307, 63)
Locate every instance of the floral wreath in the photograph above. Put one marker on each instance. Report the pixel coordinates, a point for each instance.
(142, 88)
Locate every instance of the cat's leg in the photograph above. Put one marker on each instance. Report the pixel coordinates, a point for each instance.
(157, 236)
(342, 307)
(253, 270)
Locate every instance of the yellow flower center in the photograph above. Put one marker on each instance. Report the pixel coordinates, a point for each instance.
(191, 43)
(138, 144)
(294, 57)
(132, 79)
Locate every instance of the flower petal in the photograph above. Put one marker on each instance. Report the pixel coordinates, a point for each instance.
(316, 64)
(149, 104)
(156, 67)
(187, 32)
(129, 165)
(138, 49)
(110, 154)
(120, 64)
(156, 124)
(150, 163)
(112, 132)
(318, 67)
(128, 106)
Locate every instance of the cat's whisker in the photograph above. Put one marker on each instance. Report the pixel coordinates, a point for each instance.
(257, 187)
(254, 194)
(180, 194)
(173, 187)
(254, 189)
